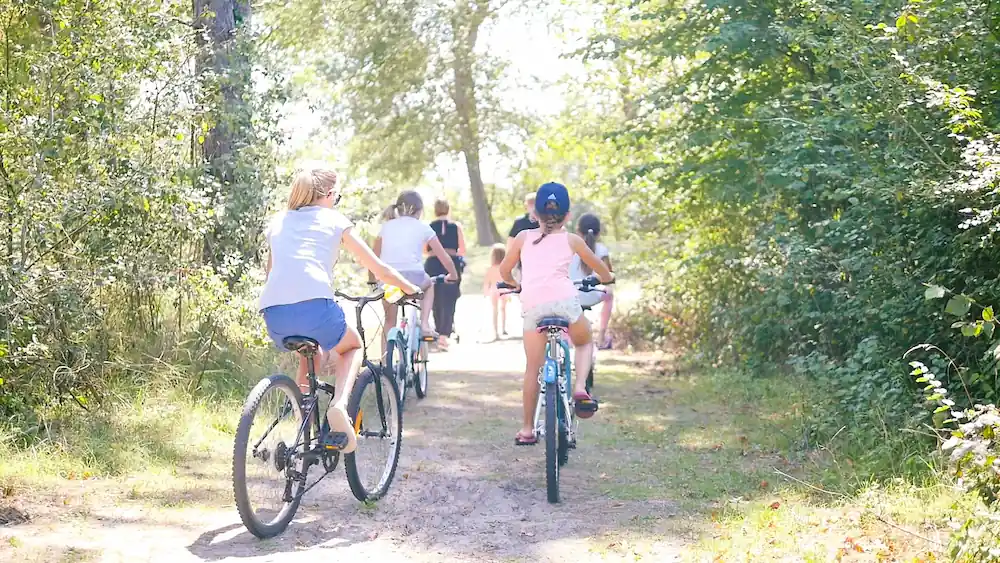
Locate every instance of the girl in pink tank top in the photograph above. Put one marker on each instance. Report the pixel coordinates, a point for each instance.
(545, 255)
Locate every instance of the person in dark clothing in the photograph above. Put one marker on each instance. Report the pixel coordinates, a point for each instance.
(453, 240)
(523, 223)
(526, 221)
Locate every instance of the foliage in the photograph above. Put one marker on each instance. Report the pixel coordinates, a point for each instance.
(106, 204)
(803, 167)
(412, 82)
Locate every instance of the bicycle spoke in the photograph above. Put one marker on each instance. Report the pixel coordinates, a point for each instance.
(275, 433)
(378, 435)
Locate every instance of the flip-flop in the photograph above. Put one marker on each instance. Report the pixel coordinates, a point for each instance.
(520, 440)
(606, 345)
(341, 422)
(584, 405)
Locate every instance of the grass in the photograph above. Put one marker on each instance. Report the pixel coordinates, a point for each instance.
(737, 454)
(150, 435)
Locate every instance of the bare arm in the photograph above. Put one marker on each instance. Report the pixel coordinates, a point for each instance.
(377, 250)
(375, 266)
(511, 259)
(445, 259)
(461, 240)
(589, 258)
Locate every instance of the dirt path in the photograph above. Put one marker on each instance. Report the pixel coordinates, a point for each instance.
(463, 492)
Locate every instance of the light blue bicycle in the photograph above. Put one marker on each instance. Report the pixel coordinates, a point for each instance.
(555, 379)
(407, 350)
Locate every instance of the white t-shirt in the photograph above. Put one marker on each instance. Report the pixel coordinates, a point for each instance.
(305, 244)
(576, 272)
(403, 242)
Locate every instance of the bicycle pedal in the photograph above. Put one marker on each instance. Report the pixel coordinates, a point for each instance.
(427, 339)
(334, 441)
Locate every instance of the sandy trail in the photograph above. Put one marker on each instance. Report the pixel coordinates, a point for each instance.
(462, 493)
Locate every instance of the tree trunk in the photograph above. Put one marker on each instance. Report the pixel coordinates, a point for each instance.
(465, 26)
(217, 23)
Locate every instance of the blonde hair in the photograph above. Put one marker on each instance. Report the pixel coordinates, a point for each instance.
(441, 207)
(408, 204)
(310, 184)
(497, 253)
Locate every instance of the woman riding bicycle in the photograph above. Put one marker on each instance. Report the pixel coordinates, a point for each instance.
(401, 243)
(546, 290)
(297, 299)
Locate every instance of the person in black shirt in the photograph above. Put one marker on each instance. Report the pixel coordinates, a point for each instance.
(526, 221)
(523, 223)
(446, 295)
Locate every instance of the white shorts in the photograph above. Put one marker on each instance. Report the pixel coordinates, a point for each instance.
(566, 308)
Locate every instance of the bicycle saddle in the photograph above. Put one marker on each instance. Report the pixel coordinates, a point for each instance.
(302, 344)
(553, 322)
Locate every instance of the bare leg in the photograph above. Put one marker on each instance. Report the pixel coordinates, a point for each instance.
(503, 315)
(495, 301)
(390, 321)
(426, 306)
(346, 371)
(606, 309)
(534, 357)
(580, 334)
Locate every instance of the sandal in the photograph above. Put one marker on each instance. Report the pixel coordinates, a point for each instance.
(606, 345)
(584, 405)
(522, 440)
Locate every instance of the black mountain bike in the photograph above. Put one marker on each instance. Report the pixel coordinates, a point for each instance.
(278, 437)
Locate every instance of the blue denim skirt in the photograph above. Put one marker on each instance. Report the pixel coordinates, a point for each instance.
(319, 319)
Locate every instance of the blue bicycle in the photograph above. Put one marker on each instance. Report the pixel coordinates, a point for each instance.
(555, 380)
(406, 351)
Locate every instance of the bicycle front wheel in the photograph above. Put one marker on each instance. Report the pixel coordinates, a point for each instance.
(395, 362)
(372, 466)
(552, 432)
(264, 455)
(420, 366)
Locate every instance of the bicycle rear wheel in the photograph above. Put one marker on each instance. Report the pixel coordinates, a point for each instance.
(552, 431)
(263, 452)
(371, 468)
(420, 367)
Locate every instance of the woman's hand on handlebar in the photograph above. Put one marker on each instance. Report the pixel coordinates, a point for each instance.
(451, 278)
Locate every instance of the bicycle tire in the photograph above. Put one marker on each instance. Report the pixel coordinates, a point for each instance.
(365, 379)
(243, 505)
(566, 421)
(420, 381)
(393, 352)
(551, 442)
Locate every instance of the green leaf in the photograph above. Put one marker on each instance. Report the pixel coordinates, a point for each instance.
(901, 21)
(958, 305)
(988, 314)
(1, 381)
(970, 329)
(934, 292)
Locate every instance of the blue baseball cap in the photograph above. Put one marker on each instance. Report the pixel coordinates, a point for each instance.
(552, 198)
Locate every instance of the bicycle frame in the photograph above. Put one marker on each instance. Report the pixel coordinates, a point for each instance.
(312, 417)
(406, 332)
(550, 373)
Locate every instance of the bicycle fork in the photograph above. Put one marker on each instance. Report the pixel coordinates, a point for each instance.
(549, 373)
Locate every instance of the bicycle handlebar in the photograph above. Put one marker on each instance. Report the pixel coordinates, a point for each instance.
(586, 285)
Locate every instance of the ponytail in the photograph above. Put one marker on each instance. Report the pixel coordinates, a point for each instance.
(390, 213)
(591, 239)
(589, 226)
